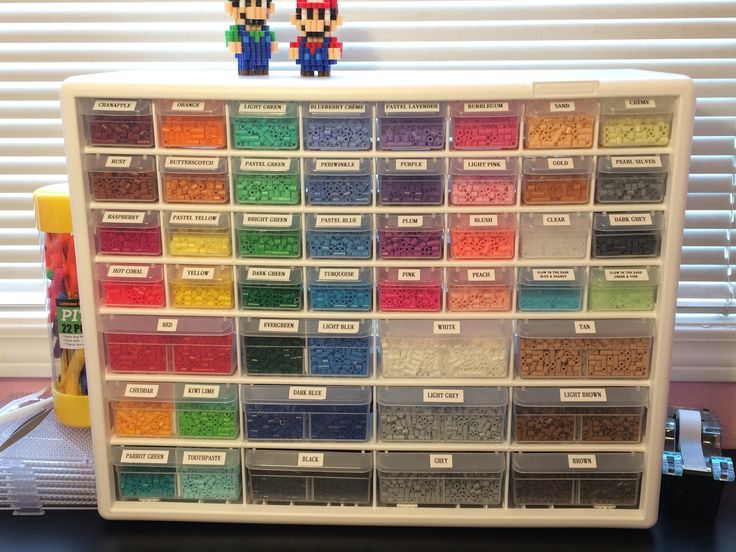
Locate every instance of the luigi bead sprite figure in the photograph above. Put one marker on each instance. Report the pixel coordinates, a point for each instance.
(250, 38)
(316, 50)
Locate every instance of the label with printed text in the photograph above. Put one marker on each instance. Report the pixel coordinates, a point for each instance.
(337, 165)
(411, 107)
(167, 324)
(271, 108)
(339, 274)
(410, 221)
(278, 325)
(483, 220)
(304, 393)
(198, 219)
(484, 164)
(123, 217)
(265, 165)
(198, 273)
(481, 275)
(446, 327)
(338, 326)
(269, 274)
(486, 107)
(270, 221)
(626, 274)
(127, 271)
(310, 459)
(144, 456)
(443, 395)
(553, 274)
(582, 461)
(560, 163)
(347, 108)
(561, 107)
(187, 105)
(141, 390)
(640, 103)
(114, 161)
(192, 163)
(337, 221)
(114, 105)
(203, 458)
(411, 165)
(583, 394)
(556, 220)
(199, 391)
(439, 461)
(643, 219)
(409, 275)
(638, 162)
(584, 326)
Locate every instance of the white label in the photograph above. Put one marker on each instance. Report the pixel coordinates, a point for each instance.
(553, 274)
(269, 274)
(582, 461)
(146, 456)
(584, 394)
(127, 271)
(478, 275)
(339, 274)
(265, 165)
(113, 162)
(641, 162)
(198, 391)
(198, 273)
(584, 326)
(198, 219)
(349, 108)
(446, 327)
(270, 221)
(486, 107)
(483, 220)
(561, 107)
(337, 165)
(438, 461)
(337, 221)
(424, 107)
(187, 105)
(410, 221)
(310, 460)
(555, 220)
(114, 105)
(443, 395)
(644, 219)
(262, 108)
(203, 458)
(338, 327)
(626, 274)
(192, 163)
(560, 163)
(303, 393)
(71, 341)
(409, 275)
(277, 325)
(484, 164)
(123, 217)
(411, 165)
(639, 103)
(141, 390)
(167, 324)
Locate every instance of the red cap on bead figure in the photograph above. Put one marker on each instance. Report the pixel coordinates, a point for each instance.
(316, 49)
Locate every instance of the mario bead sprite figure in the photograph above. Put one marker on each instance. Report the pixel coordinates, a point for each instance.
(315, 49)
(250, 39)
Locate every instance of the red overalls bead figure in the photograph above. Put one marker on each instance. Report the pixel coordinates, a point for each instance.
(315, 49)
(250, 39)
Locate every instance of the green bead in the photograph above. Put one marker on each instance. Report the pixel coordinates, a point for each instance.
(265, 133)
(267, 189)
(269, 243)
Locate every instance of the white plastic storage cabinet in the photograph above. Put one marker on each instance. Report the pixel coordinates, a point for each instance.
(324, 300)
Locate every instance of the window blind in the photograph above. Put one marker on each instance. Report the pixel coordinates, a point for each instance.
(43, 43)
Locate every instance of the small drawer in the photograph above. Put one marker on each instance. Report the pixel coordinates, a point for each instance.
(128, 233)
(125, 178)
(551, 289)
(627, 234)
(482, 236)
(579, 415)
(330, 478)
(552, 124)
(623, 288)
(191, 124)
(556, 180)
(273, 346)
(444, 348)
(266, 181)
(270, 288)
(410, 236)
(195, 180)
(207, 410)
(440, 479)
(480, 289)
(142, 409)
(485, 125)
(307, 413)
(264, 125)
(191, 234)
(554, 235)
(210, 475)
(147, 344)
(601, 480)
(263, 235)
(636, 122)
(410, 181)
(201, 287)
(475, 181)
(585, 349)
(340, 347)
(129, 285)
(340, 236)
(117, 122)
(340, 289)
(143, 473)
(411, 125)
(463, 414)
(338, 126)
(409, 289)
(338, 181)
(631, 179)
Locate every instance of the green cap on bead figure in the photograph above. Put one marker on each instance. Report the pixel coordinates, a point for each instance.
(316, 50)
(250, 39)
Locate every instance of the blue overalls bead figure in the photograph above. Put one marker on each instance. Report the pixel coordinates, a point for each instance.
(316, 50)
(250, 39)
